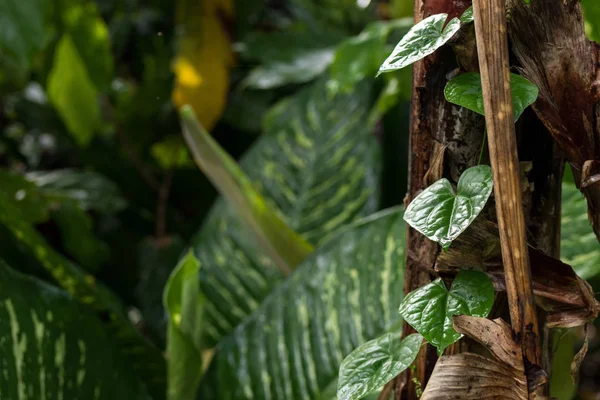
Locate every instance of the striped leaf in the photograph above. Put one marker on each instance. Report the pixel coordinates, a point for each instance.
(318, 163)
(146, 360)
(54, 348)
(341, 296)
(280, 242)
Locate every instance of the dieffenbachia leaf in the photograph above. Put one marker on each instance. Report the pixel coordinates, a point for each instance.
(465, 90)
(421, 40)
(146, 359)
(318, 162)
(278, 240)
(55, 348)
(430, 308)
(375, 363)
(185, 305)
(467, 16)
(578, 245)
(25, 196)
(441, 214)
(342, 296)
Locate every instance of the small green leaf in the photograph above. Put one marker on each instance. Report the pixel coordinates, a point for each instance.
(375, 363)
(442, 215)
(430, 308)
(185, 305)
(578, 245)
(285, 246)
(171, 153)
(467, 16)
(72, 93)
(465, 90)
(422, 40)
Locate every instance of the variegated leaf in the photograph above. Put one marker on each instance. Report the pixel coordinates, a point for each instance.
(343, 295)
(54, 348)
(318, 163)
(146, 360)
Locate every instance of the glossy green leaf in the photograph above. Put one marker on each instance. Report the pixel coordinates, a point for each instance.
(430, 308)
(441, 214)
(467, 16)
(185, 306)
(578, 244)
(318, 162)
(280, 242)
(24, 29)
(591, 12)
(25, 196)
(91, 191)
(421, 40)
(359, 57)
(146, 359)
(72, 93)
(54, 348)
(465, 90)
(342, 296)
(375, 363)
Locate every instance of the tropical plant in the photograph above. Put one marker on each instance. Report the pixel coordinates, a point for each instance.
(308, 278)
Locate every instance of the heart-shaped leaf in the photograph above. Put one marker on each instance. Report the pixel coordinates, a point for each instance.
(423, 39)
(430, 308)
(465, 90)
(467, 16)
(375, 363)
(442, 215)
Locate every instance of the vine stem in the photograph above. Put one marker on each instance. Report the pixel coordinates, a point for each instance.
(492, 49)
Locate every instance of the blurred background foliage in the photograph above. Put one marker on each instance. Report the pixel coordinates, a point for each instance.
(91, 153)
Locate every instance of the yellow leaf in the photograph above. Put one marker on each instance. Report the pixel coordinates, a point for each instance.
(205, 56)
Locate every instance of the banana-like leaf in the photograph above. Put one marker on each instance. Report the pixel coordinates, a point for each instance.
(280, 242)
(319, 164)
(343, 295)
(55, 348)
(146, 359)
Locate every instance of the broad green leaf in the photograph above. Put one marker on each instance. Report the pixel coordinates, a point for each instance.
(25, 196)
(465, 90)
(467, 16)
(421, 40)
(78, 237)
(578, 244)
(72, 92)
(441, 214)
(146, 359)
(591, 12)
(54, 348)
(318, 162)
(430, 308)
(280, 242)
(185, 305)
(342, 296)
(85, 26)
(360, 56)
(375, 363)
(91, 191)
(24, 29)
(342, 15)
